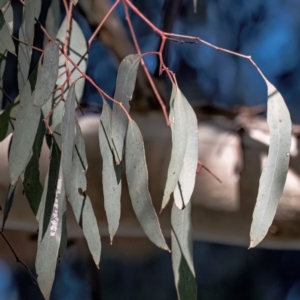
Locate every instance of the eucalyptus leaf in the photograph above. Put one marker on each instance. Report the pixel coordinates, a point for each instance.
(32, 12)
(49, 243)
(48, 73)
(195, 6)
(182, 253)
(182, 194)
(2, 3)
(275, 170)
(24, 58)
(111, 183)
(53, 178)
(68, 138)
(26, 126)
(8, 203)
(78, 54)
(178, 119)
(80, 202)
(5, 35)
(124, 89)
(9, 17)
(53, 19)
(137, 178)
(32, 186)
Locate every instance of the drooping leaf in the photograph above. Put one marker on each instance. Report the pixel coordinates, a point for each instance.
(32, 186)
(78, 54)
(25, 131)
(5, 35)
(24, 58)
(182, 253)
(64, 235)
(195, 6)
(182, 194)
(111, 183)
(275, 170)
(49, 243)
(32, 12)
(8, 203)
(53, 178)
(80, 202)
(68, 138)
(48, 73)
(178, 121)
(9, 17)
(26, 96)
(124, 89)
(53, 19)
(137, 178)
(5, 119)
(2, 3)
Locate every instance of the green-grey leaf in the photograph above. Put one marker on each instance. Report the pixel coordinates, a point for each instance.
(77, 53)
(182, 253)
(5, 119)
(53, 179)
(187, 177)
(32, 186)
(32, 12)
(9, 17)
(178, 121)
(27, 95)
(5, 35)
(275, 170)
(48, 73)
(124, 89)
(53, 19)
(111, 185)
(8, 203)
(80, 202)
(24, 58)
(49, 244)
(25, 131)
(137, 178)
(68, 138)
(64, 236)
(2, 3)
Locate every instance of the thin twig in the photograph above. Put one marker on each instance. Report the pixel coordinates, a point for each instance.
(17, 258)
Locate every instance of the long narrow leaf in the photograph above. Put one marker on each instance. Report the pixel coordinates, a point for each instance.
(5, 35)
(24, 135)
(178, 121)
(111, 185)
(53, 178)
(81, 203)
(68, 138)
(47, 74)
(49, 244)
(182, 194)
(274, 174)
(32, 12)
(32, 186)
(182, 253)
(137, 178)
(124, 89)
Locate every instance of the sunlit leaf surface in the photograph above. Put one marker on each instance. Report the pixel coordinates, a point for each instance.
(137, 178)
(275, 170)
